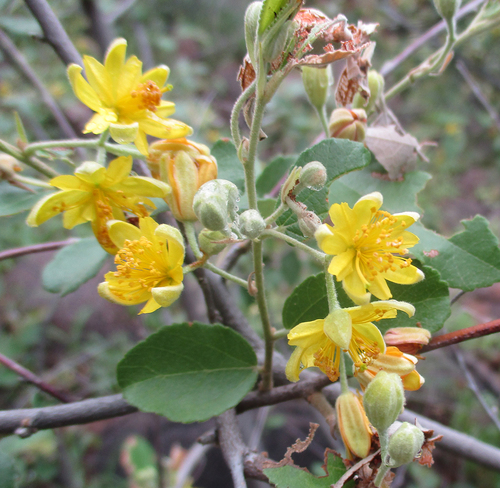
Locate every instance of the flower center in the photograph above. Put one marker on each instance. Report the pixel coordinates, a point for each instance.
(362, 350)
(139, 263)
(148, 96)
(328, 359)
(377, 250)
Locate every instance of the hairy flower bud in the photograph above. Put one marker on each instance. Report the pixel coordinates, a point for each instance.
(252, 15)
(447, 8)
(353, 424)
(383, 400)
(251, 224)
(313, 175)
(215, 204)
(309, 223)
(9, 166)
(317, 82)
(405, 444)
(207, 239)
(376, 85)
(185, 166)
(338, 328)
(348, 124)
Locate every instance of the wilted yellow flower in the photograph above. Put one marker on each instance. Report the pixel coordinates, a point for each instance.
(368, 245)
(185, 166)
(392, 361)
(125, 100)
(315, 346)
(148, 265)
(353, 424)
(98, 194)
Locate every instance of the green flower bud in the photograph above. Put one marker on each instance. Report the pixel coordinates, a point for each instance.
(384, 399)
(252, 15)
(308, 223)
(251, 224)
(291, 182)
(215, 204)
(317, 82)
(447, 8)
(207, 240)
(338, 328)
(405, 444)
(376, 84)
(348, 124)
(313, 175)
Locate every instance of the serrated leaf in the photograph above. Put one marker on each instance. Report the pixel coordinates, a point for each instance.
(73, 266)
(14, 200)
(431, 299)
(229, 165)
(399, 196)
(188, 372)
(468, 260)
(308, 301)
(339, 156)
(273, 173)
(293, 477)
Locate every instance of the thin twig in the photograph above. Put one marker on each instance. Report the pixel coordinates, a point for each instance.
(18, 61)
(474, 387)
(234, 254)
(32, 378)
(232, 446)
(462, 335)
(457, 297)
(462, 69)
(194, 455)
(392, 64)
(47, 246)
(54, 32)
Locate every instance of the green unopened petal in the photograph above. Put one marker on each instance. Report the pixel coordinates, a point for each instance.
(167, 295)
(123, 133)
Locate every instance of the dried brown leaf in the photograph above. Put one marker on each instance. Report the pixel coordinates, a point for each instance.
(246, 75)
(426, 458)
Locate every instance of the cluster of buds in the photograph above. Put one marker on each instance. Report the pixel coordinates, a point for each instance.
(313, 176)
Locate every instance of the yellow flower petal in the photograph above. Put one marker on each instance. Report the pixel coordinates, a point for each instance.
(354, 285)
(120, 231)
(79, 214)
(84, 92)
(151, 306)
(405, 276)
(343, 265)
(293, 369)
(164, 128)
(158, 75)
(141, 142)
(140, 185)
(97, 124)
(129, 79)
(99, 79)
(306, 333)
(69, 182)
(91, 172)
(114, 61)
(378, 287)
(165, 109)
(118, 170)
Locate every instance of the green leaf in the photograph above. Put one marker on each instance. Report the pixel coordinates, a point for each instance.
(73, 266)
(14, 200)
(339, 156)
(21, 131)
(308, 301)
(266, 206)
(399, 196)
(431, 299)
(188, 372)
(229, 165)
(293, 477)
(273, 173)
(468, 260)
(9, 473)
(271, 10)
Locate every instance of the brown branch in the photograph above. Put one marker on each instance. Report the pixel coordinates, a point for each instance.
(100, 30)
(462, 335)
(18, 61)
(47, 246)
(30, 377)
(54, 32)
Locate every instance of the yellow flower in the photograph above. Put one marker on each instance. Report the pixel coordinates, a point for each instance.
(98, 195)
(393, 361)
(125, 100)
(368, 245)
(148, 265)
(315, 346)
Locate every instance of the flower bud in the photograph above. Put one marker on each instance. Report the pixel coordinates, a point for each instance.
(252, 15)
(338, 328)
(251, 224)
(353, 424)
(348, 124)
(309, 223)
(313, 175)
(9, 166)
(447, 9)
(207, 240)
(215, 204)
(317, 82)
(405, 444)
(185, 166)
(383, 400)
(407, 339)
(376, 86)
